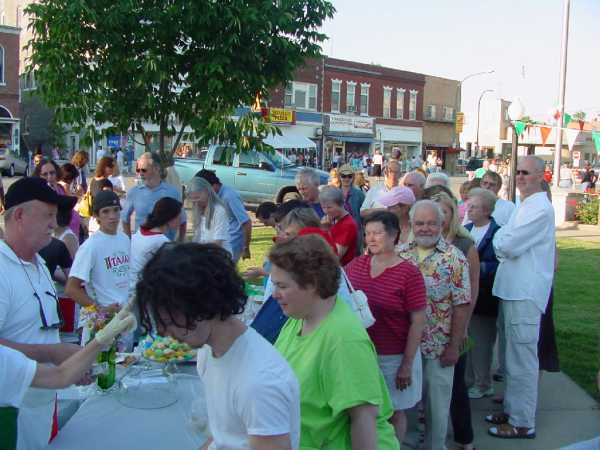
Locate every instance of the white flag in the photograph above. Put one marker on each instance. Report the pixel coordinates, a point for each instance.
(572, 135)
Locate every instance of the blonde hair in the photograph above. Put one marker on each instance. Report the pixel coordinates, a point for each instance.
(455, 229)
(334, 178)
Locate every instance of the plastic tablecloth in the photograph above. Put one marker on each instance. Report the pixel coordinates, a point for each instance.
(103, 423)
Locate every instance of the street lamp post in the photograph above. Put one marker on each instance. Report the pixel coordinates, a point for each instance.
(516, 111)
(561, 96)
(459, 100)
(478, 111)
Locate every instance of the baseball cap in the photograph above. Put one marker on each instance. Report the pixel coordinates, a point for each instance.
(32, 188)
(399, 195)
(346, 169)
(104, 199)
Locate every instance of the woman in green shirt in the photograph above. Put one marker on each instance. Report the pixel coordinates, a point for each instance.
(344, 401)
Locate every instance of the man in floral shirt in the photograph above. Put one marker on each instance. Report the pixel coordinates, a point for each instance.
(446, 274)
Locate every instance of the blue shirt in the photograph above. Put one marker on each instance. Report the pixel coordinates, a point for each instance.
(237, 216)
(317, 207)
(141, 199)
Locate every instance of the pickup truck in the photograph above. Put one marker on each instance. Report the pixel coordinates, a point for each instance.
(257, 176)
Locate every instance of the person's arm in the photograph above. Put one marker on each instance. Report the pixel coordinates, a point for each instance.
(413, 341)
(473, 259)
(75, 291)
(281, 442)
(72, 245)
(363, 426)
(44, 353)
(247, 229)
(61, 274)
(525, 231)
(460, 316)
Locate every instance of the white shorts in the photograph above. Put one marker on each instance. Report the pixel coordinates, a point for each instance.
(409, 397)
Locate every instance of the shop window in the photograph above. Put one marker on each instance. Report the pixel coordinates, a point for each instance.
(336, 86)
(412, 106)
(400, 103)
(364, 99)
(350, 97)
(430, 112)
(387, 102)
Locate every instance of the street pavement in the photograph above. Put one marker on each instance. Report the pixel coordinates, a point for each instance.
(566, 413)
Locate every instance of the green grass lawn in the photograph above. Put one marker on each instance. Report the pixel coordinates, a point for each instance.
(577, 311)
(576, 304)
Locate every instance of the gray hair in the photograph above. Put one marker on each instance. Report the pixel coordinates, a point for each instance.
(417, 176)
(9, 213)
(309, 175)
(538, 163)
(303, 217)
(331, 194)
(437, 178)
(424, 204)
(487, 198)
(199, 184)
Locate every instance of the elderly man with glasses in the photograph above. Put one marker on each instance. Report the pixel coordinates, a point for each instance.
(141, 199)
(391, 178)
(29, 312)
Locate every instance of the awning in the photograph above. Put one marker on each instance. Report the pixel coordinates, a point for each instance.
(289, 141)
(357, 139)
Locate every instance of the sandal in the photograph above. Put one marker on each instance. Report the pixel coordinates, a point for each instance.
(507, 431)
(497, 419)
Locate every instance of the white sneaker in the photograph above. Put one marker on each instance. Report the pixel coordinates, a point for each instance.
(475, 392)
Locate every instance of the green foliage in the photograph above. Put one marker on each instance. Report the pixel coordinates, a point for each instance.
(587, 211)
(174, 63)
(579, 115)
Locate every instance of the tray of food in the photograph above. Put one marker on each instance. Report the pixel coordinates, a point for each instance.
(164, 349)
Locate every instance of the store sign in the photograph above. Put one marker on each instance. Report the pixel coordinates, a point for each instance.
(113, 141)
(460, 121)
(280, 115)
(351, 124)
(576, 158)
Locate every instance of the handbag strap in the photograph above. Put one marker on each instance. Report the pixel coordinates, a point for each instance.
(347, 280)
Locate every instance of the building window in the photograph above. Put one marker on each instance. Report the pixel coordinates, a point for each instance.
(448, 113)
(364, 99)
(1, 65)
(300, 96)
(412, 106)
(351, 97)
(400, 103)
(430, 112)
(387, 102)
(336, 86)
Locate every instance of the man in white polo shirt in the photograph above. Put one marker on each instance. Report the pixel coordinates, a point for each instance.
(525, 247)
(29, 314)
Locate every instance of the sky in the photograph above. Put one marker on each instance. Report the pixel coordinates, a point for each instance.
(519, 39)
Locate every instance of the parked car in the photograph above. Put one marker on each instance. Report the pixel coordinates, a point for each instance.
(257, 176)
(12, 164)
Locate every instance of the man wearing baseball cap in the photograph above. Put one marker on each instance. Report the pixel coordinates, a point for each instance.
(398, 201)
(100, 273)
(29, 313)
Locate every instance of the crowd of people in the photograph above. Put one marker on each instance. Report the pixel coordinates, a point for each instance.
(448, 281)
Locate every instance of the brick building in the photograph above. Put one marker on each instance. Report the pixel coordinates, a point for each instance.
(367, 106)
(9, 88)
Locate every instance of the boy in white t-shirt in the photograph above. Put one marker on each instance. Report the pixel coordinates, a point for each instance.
(102, 262)
(193, 292)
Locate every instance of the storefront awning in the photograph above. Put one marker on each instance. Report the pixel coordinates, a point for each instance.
(289, 141)
(357, 139)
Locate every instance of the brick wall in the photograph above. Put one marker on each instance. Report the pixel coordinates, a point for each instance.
(311, 72)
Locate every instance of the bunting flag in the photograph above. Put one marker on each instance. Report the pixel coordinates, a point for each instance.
(572, 135)
(520, 127)
(545, 132)
(567, 120)
(596, 137)
(581, 124)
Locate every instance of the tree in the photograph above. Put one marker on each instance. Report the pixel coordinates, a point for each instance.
(175, 63)
(579, 115)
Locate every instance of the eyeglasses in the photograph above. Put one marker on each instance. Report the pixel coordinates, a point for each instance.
(45, 325)
(138, 170)
(419, 223)
(346, 176)
(522, 172)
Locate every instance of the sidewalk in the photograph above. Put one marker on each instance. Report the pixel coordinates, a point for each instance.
(566, 414)
(574, 230)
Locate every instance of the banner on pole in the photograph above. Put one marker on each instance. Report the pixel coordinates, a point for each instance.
(572, 135)
(460, 122)
(545, 132)
(520, 127)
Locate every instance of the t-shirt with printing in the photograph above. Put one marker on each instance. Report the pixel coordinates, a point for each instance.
(16, 374)
(392, 296)
(337, 368)
(345, 233)
(102, 262)
(144, 243)
(250, 391)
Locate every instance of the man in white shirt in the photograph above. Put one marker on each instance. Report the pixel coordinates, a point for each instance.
(29, 313)
(391, 177)
(415, 181)
(492, 181)
(525, 247)
(193, 293)
(102, 262)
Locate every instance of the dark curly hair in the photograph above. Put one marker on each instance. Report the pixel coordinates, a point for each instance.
(196, 281)
(37, 171)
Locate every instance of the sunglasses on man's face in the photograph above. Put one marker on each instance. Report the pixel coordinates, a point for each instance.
(523, 172)
(346, 176)
(140, 169)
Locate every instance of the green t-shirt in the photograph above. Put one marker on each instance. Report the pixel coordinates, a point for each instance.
(337, 368)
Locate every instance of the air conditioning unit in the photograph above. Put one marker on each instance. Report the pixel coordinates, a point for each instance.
(351, 109)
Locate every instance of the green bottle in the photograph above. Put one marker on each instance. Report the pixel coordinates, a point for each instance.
(107, 359)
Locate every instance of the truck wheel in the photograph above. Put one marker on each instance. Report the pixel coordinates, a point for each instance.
(291, 196)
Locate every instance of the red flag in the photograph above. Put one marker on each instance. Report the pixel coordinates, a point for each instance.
(545, 132)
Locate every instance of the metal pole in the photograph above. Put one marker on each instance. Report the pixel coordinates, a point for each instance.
(478, 110)
(513, 166)
(561, 94)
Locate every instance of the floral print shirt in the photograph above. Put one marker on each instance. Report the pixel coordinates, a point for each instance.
(446, 274)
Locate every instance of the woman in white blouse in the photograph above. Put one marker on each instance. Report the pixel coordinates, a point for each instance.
(211, 219)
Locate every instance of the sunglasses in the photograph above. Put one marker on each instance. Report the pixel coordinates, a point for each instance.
(45, 325)
(346, 176)
(522, 172)
(138, 170)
